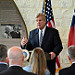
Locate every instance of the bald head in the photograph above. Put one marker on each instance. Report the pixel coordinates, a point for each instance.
(15, 55)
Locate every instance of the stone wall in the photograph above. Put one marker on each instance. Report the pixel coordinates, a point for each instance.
(63, 12)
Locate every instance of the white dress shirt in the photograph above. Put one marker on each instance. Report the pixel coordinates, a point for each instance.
(43, 32)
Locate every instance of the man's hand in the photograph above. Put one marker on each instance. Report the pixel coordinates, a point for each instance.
(53, 55)
(24, 41)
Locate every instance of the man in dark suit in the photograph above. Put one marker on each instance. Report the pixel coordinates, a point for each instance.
(69, 70)
(3, 58)
(16, 58)
(51, 42)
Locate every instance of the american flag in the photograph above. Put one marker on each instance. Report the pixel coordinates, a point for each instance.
(47, 10)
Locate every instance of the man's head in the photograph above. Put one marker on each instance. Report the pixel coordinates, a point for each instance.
(15, 56)
(71, 52)
(38, 61)
(7, 29)
(40, 21)
(3, 53)
(16, 28)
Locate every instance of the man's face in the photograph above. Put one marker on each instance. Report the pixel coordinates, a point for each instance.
(40, 22)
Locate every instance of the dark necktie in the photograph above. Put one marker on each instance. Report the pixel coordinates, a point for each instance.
(41, 37)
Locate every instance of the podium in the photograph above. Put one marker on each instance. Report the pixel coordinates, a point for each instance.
(27, 55)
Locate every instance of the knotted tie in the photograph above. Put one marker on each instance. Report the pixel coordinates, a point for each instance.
(41, 37)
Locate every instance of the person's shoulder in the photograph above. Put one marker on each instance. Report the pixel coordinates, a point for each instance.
(67, 71)
(47, 72)
(34, 30)
(51, 29)
(64, 70)
(27, 68)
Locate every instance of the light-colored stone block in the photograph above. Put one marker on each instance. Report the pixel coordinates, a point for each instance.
(55, 3)
(66, 3)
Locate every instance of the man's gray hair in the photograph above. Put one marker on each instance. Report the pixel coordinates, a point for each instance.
(42, 15)
(71, 51)
(3, 52)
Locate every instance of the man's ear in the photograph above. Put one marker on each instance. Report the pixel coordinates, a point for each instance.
(68, 57)
(70, 60)
(7, 60)
(23, 58)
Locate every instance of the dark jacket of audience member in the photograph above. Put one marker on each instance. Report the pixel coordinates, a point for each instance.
(69, 70)
(3, 58)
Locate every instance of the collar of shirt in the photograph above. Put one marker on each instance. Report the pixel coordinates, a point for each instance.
(14, 65)
(73, 62)
(3, 63)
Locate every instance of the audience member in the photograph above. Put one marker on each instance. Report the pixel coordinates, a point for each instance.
(69, 70)
(16, 58)
(3, 58)
(38, 62)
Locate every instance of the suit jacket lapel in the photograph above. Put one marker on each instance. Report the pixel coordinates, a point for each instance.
(45, 36)
(37, 37)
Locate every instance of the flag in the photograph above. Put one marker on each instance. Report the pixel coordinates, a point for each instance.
(71, 38)
(47, 10)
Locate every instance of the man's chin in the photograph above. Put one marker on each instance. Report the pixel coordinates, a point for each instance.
(38, 27)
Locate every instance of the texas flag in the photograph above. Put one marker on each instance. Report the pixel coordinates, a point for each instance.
(71, 38)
